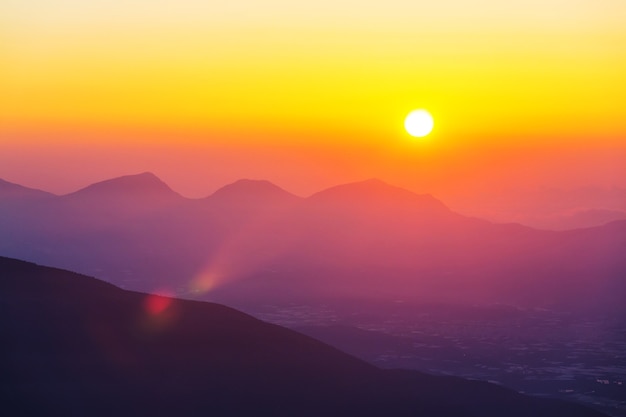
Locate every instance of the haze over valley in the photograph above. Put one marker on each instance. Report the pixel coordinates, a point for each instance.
(393, 277)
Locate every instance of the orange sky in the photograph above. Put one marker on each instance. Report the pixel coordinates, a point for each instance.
(524, 93)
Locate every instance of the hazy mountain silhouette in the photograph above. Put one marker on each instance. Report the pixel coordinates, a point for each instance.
(252, 239)
(108, 203)
(73, 345)
(371, 239)
(101, 229)
(15, 200)
(145, 188)
(553, 208)
(244, 202)
(376, 192)
(576, 219)
(376, 207)
(10, 192)
(251, 192)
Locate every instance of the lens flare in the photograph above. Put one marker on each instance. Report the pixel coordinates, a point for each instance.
(204, 282)
(155, 304)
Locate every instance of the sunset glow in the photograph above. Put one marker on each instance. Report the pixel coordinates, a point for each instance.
(309, 95)
(313, 208)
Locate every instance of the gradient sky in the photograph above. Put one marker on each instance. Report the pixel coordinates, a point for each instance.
(309, 94)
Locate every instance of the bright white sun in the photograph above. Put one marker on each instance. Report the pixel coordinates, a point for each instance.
(419, 123)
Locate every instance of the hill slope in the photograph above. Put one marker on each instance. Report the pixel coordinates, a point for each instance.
(73, 345)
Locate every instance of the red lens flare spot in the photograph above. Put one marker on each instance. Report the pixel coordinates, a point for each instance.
(156, 304)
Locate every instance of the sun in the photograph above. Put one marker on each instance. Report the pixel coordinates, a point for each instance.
(419, 123)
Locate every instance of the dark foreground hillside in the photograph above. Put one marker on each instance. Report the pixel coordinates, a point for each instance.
(76, 346)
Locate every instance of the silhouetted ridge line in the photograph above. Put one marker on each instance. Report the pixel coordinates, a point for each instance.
(247, 190)
(139, 184)
(10, 190)
(375, 190)
(73, 345)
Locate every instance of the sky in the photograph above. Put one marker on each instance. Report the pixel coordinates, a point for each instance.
(524, 94)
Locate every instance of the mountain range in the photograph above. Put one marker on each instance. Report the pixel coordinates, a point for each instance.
(253, 241)
(74, 345)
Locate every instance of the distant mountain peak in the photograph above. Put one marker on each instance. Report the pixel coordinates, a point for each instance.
(376, 190)
(145, 183)
(247, 190)
(372, 182)
(369, 185)
(9, 190)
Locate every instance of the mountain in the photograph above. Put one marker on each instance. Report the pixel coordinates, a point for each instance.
(11, 193)
(370, 239)
(18, 217)
(145, 186)
(576, 219)
(376, 192)
(15, 200)
(253, 240)
(109, 204)
(101, 229)
(376, 208)
(245, 202)
(73, 345)
(246, 192)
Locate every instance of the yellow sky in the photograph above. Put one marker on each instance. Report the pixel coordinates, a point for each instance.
(540, 67)
(496, 75)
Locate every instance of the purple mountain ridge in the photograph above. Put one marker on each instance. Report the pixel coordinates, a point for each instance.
(145, 185)
(374, 191)
(246, 191)
(365, 239)
(14, 192)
